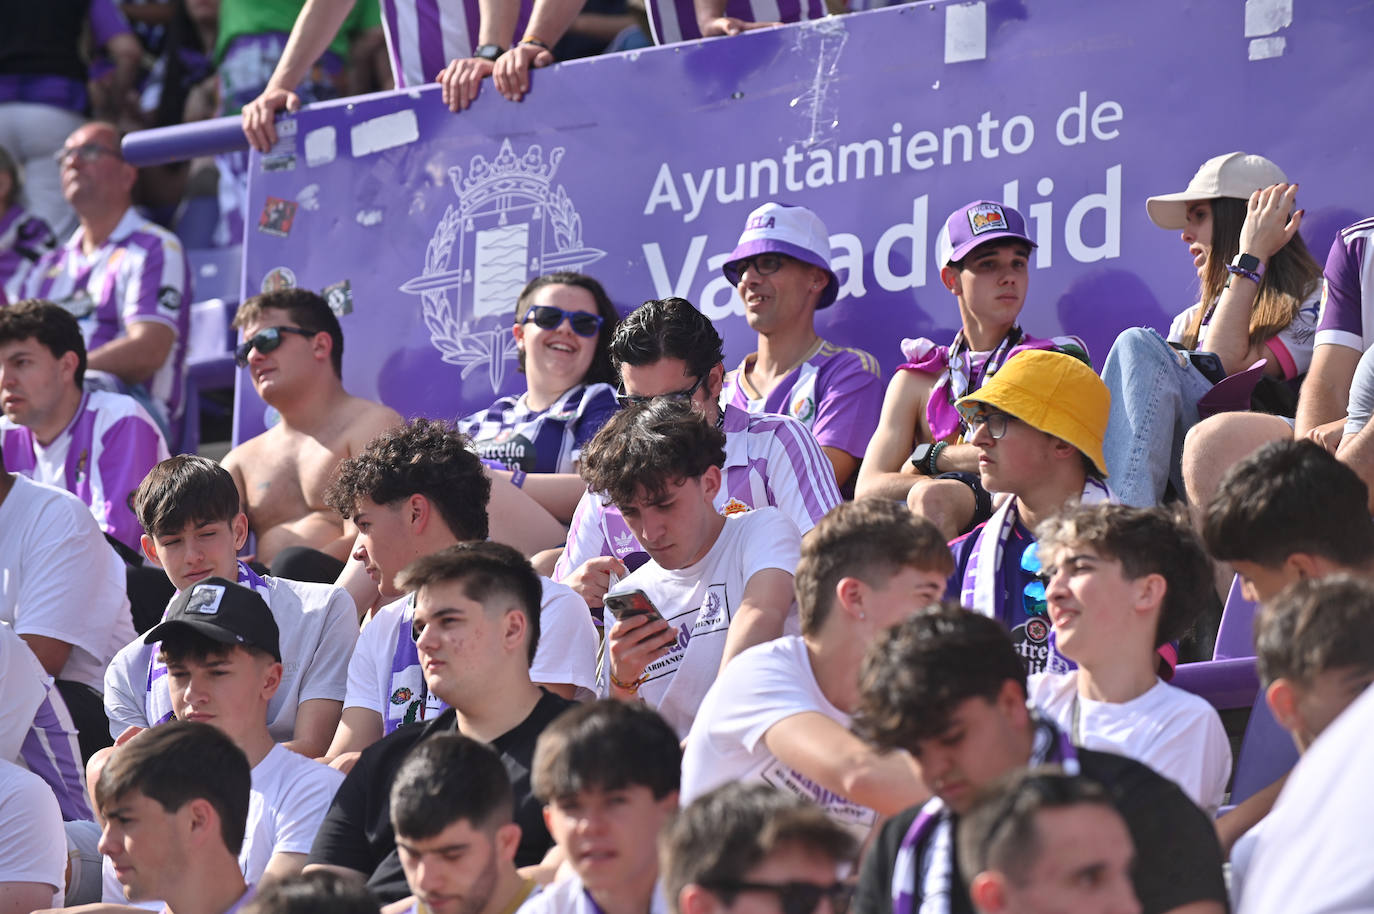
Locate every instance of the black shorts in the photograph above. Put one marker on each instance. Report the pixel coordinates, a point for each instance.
(982, 498)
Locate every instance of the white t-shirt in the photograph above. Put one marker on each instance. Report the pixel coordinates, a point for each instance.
(1314, 852)
(33, 845)
(567, 896)
(1176, 733)
(701, 600)
(384, 674)
(317, 627)
(766, 684)
(286, 805)
(23, 685)
(60, 578)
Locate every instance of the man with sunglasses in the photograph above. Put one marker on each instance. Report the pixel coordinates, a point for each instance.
(667, 348)
(922, 453)
(781, 269)
(1037, 427)
(754, 848)
(293, 350)
(124, 278)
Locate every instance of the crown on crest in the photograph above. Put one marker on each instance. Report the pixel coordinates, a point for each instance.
(527, 175)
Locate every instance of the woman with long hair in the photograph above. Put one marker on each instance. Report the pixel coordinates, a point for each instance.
(1258, 299)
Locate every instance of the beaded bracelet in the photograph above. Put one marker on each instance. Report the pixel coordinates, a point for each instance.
(631, 687)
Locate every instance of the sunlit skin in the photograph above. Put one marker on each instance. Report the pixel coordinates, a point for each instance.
(229, 691)
(459, 870)
(984, 740)
(1093, 605)
(1197, 234)
(462, 645)
(555, 360)
(991, 286)
(781, 299)
(1306, 709)
(610, 839)
(144, 843)
(198, 551)
(677, 526)
(38, 389)
(1083, 865)
(903, 595)
(1261, 582)
(1017, 461)
(382, 544)
(278, 369)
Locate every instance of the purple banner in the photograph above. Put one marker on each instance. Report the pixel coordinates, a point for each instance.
(641, 169)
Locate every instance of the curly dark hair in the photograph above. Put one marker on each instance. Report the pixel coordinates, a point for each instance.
(424, 457)
(601, 371)
(644, 449)
(917, 674)
(668, 328)
(1145, 541)
(51, 324)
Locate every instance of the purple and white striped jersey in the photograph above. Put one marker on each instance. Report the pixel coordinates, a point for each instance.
(24, 238)
(1347, 307)
(672, 21)
(139, 274)
(769, 460)
(837, 393)
(540, 441)
(422, 36)
(100, 457)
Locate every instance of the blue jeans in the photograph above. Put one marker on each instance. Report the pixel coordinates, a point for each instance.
(1155, 390)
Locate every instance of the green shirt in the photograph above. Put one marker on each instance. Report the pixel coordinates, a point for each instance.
(256, 17)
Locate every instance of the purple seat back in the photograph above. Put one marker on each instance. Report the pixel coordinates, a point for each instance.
(1267, 753)
(1236, 636)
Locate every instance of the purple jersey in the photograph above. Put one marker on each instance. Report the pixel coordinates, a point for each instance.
(422, 36)
(769, 460)
(100, 457)
(24, 238)
(1348, 290)
(837, 393)
(139, 274)
(672, 21)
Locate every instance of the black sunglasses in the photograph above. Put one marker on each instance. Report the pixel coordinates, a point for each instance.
(793, 897)
(265, 341)
(764, 264)
(547, 317)
(625, 399)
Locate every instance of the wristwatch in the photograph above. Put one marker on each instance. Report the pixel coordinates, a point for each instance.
(489, 52)
(1249, 263)
(924, 457)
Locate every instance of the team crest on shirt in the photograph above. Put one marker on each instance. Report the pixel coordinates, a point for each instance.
(1037, 630)
(401, 696)
(169, 298)
(511, 223)
(735, 506)
(803, 408)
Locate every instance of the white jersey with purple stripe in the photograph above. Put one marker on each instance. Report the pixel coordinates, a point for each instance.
(517, 437)
(837, 393)
(139, 274)
(36, 730)
(100, 457)
(422, 36)
(1291, 346)
(671, 21)
(769, 460)
(1347, 308)
(24, 238)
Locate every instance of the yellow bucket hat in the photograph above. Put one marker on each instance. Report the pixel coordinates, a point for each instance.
(1052, 392)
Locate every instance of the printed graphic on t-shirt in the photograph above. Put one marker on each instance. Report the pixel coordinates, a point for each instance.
(846, 812)
(512, 450)
(712, 619)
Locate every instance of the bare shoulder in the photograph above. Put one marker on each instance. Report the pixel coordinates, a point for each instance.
(368, 420)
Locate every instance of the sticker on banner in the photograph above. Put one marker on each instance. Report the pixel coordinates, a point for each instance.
(284, 161)
(340, 297)
(321, 146)
(279, 278)
(205, 599)
(386, 132)
(309, 197)
(277, 216)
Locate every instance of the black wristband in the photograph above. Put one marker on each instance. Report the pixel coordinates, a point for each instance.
(489, 52)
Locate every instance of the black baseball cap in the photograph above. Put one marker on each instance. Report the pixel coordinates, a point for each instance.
(222, 611)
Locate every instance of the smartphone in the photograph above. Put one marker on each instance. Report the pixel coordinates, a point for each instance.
(631, 603)
(1208, 365)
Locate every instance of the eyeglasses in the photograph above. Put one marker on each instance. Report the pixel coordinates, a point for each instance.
(763, 264)
(86, 152)
(793, 897)
(1033, 599)
(547, 317)
(266, 341)
(625, 399)
(995, 420)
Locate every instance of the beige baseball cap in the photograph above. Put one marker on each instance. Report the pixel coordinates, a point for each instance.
(1235, 175)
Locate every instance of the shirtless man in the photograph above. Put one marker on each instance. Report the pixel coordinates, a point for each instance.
(293, 348)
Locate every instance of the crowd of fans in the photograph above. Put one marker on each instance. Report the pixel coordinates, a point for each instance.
(654, 635)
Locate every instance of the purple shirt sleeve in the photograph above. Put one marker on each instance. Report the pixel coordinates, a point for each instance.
(850, 395)
(1341, 320)
(107, 21)
(129, 449)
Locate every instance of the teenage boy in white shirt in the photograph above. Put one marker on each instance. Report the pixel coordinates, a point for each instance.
(221, 649)
(720, 584)
(189, 509)
(1120, 583)
(779, 712)
(608, 774)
